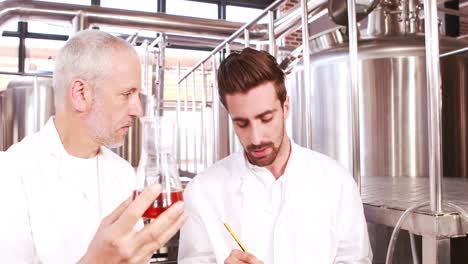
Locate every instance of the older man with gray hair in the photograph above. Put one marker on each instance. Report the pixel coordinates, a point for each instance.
(65, 197)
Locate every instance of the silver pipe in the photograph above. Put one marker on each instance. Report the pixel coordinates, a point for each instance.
(307, 85)
(26, 74)
(215, 109)
(353, 65)
(178, 118)
(271, 34)
(453, 52)
(195, 158)
(154, 85)
(414, 251)
(146, 86)
(246, 38)
(161, 68)
(196, 42)
(292, 21)
(203, 146)
(157, 40)
(451, 11)
(78, 23)
(433, 104)
(160, 22)
(234, 36)
(186, 126)
(36, 102)
(228, 50)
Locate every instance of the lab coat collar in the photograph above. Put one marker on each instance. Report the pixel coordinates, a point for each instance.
(50, 139)
(262, 172)
(52, 143)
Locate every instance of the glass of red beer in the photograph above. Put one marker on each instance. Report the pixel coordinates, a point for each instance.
(157, 164)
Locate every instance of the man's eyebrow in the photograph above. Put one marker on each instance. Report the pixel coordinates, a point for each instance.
(128, 90)
(242, 119)
(239, 119)
(265, 113)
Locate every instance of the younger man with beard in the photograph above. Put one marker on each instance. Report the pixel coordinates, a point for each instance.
(286, 203)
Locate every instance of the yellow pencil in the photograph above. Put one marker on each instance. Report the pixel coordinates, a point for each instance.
(235, 237)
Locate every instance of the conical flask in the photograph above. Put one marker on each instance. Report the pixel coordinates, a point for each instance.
(157, 164)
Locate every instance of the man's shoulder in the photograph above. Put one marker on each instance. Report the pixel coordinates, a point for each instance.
(222, 168)
(313, 157)
(318, 163)
(219, 175)
(26, 148)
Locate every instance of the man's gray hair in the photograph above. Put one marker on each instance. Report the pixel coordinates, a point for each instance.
(87, 56)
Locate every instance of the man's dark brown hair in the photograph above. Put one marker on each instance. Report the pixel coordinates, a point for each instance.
(240, 72)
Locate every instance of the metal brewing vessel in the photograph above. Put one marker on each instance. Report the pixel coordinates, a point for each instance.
(393, 106)
(25, 106)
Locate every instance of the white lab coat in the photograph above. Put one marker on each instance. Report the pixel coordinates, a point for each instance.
(44, 218)
(320, 220)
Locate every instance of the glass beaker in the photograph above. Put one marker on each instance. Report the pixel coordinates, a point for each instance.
(157, 164)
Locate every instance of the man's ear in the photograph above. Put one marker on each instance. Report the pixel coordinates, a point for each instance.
(286, 107)
(80, 95)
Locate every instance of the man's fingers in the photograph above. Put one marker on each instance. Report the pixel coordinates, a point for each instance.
(244, 257)
(163, 226)
(159, 241)
(135, 210)
(114, 215)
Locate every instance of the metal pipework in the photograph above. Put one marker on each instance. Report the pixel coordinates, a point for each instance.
(215, 109)
(453, 52)
(292, 20)
(195, 158)
(202, 116)
(235, 35)
(160, 69)
(178, 118)
(92, 15)
(451, 11)
(186, 128)
(353, 66)
(246, 38)
(306, 57)
(433, 104)
(271, 34)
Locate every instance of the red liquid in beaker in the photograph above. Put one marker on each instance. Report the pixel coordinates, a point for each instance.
(161, 203)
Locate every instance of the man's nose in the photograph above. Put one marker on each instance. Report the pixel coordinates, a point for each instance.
(256, 135)
(135, 107)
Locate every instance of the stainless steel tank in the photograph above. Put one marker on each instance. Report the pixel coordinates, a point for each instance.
(393, 108)
(25, 106)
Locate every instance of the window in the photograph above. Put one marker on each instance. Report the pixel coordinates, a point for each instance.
(192, 9)
(116, 31)
(40, 54)
(137, 5)
(9, 54)
(244, 14)
(10, 26)
(54, 27)
(188, 59)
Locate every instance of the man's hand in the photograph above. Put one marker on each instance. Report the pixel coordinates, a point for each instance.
(238, 256)
(116, 241)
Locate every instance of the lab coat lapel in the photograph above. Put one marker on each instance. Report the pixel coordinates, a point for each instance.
(42, 186)
(109, 184)
(283, 244)
(300, 225)
(248, 209)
